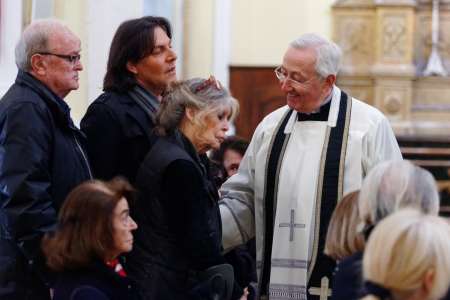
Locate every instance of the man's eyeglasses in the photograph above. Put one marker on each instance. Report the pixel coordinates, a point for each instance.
(70, 58)
(282, 77)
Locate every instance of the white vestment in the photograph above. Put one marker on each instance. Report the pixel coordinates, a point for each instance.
(370, 141)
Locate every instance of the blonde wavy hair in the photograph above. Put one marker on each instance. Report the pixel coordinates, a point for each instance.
(343, 238)
(403, 248)
(199, 94)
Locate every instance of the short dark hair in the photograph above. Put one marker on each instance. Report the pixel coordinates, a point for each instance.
(133, 40)
(235, 143)
(85, 230)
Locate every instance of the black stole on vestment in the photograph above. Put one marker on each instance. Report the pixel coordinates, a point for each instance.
(329, 191)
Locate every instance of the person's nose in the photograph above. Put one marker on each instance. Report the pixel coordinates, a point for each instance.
(78, 65)
(226, 125)
(133, 224)
(172, 55)
(285, 86)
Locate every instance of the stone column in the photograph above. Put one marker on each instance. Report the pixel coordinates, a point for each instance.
(198, 31)
(354, 30)
(394, 71)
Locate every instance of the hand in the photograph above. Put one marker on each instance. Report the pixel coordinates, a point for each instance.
(244, 296)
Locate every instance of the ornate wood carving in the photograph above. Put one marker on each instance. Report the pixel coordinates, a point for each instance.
(354, 34)
(393, 34)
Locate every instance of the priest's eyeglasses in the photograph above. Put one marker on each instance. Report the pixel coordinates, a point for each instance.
(73, 59)
(283, 77)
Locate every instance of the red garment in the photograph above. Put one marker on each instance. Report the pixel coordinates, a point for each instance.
(117, 267)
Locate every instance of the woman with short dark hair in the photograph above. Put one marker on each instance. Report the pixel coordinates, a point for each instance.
(177, 210)
(94, 229)
(118, 124)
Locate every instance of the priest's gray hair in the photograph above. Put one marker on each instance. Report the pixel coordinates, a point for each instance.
(34, 39)
(328, 53)
(393, 185)
(197, 94)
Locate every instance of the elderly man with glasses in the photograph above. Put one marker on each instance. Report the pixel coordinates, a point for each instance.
(41, 154)
(303, 158)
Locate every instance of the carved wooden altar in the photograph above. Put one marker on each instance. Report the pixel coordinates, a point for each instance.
(386, 48)
(386, 45)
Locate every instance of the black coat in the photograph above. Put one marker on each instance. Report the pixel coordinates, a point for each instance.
(179, 221)
(347, 280)
(41, 160)
(98, 282)
(119, 133)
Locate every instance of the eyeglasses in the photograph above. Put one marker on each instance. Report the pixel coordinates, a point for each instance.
(283, 77)
(70, 58)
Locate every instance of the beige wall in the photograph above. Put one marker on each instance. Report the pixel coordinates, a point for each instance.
(73, 14)
(198, 38)
(261, 29)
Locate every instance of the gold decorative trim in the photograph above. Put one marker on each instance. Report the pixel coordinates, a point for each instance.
(320, 181)
(319, 202)
(344, 148)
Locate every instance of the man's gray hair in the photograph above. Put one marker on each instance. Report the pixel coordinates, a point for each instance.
(328, 54)
(393, 185)
(34, 39)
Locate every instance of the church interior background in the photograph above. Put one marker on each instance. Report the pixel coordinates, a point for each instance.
(396, 55)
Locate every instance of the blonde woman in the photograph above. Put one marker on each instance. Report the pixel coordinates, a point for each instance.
(343, 238)
(177, 210)
(343, 241)
(408, 258)
(388, 187)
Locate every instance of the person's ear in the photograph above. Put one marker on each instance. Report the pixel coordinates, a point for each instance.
(428, 281)
(38, 65)
(330, 80)
(132, 68)
(190, 113)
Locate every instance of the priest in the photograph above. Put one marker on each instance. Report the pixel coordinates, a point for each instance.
(303, 158)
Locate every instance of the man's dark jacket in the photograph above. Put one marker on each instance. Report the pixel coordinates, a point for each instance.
(41, 160)
(119, 133)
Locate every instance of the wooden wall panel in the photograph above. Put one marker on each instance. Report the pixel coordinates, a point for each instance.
(258, 93)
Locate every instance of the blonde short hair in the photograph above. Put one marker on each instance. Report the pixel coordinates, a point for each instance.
(403, 248)
(343, 238)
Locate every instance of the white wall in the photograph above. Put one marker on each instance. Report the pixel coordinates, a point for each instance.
(100, 31)
(10, 30)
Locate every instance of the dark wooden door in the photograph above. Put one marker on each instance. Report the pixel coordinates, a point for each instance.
(258, 92)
